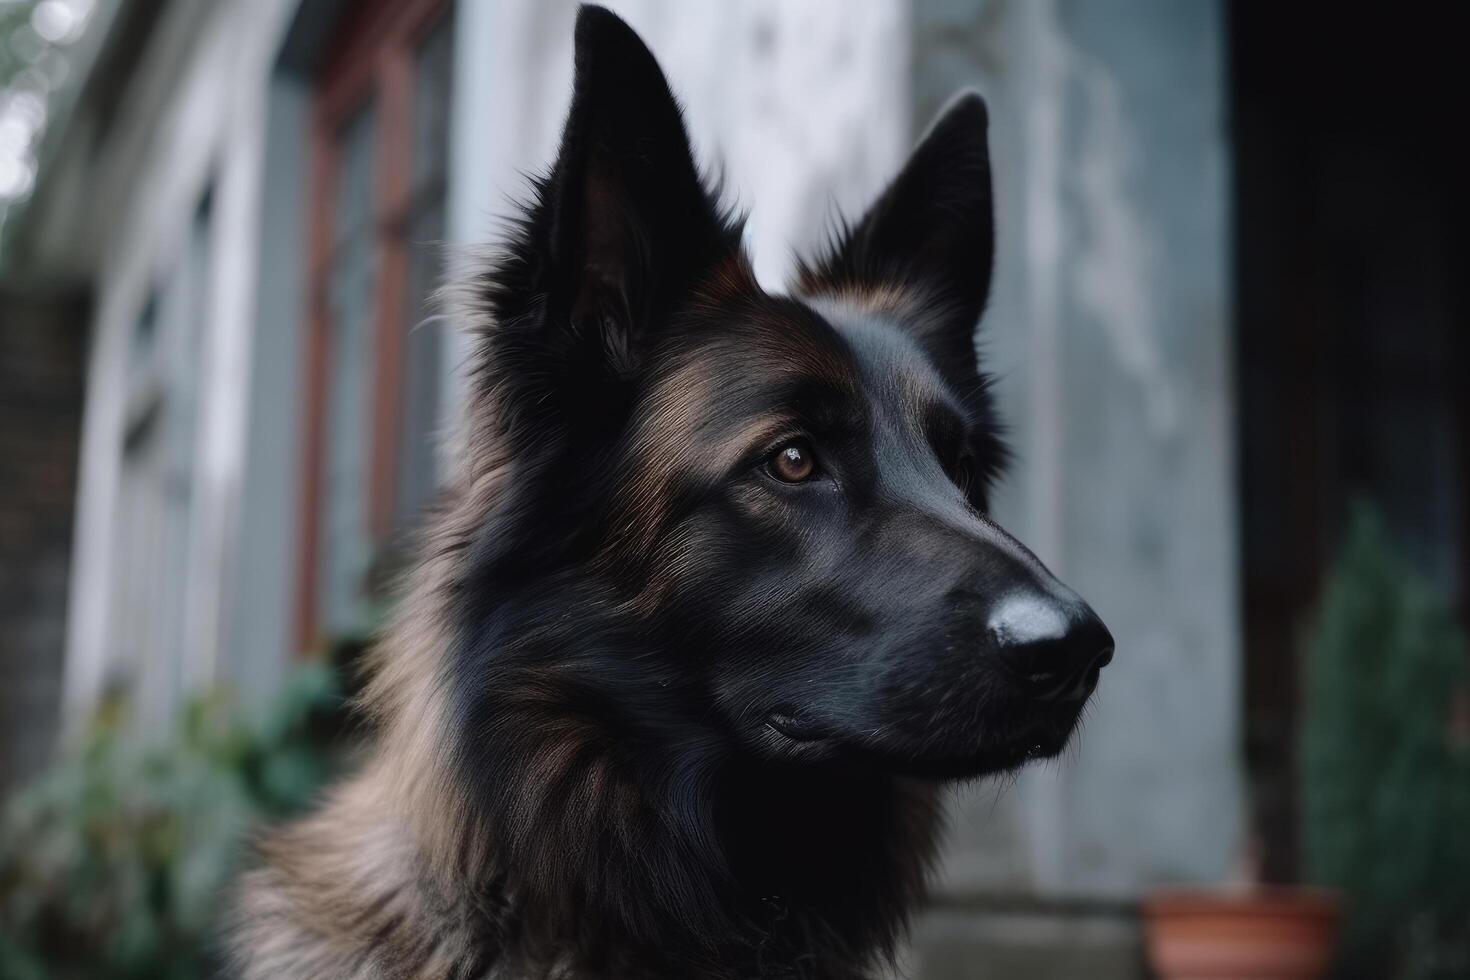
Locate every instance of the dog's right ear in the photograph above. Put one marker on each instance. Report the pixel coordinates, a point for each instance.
(623, 227)
(931, 232)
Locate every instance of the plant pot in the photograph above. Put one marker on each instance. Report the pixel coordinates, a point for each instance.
(1251, 934)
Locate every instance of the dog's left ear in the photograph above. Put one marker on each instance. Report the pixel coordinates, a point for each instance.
(628, 225)
(931, 232)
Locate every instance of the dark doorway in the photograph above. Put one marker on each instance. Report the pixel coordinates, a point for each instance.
(1351, 310)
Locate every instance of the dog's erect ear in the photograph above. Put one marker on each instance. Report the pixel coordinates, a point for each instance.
(624, 224)
(931, 231)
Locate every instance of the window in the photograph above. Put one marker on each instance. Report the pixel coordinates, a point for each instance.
(151, 584)
(374, 366)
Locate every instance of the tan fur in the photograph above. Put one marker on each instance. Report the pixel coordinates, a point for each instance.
(868, 297)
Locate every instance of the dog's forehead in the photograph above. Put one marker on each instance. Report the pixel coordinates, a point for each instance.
(892, 366)
(776, 345)
(785, 340)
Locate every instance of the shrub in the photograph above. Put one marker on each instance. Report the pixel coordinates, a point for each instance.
(1386, 782)
(113, 864)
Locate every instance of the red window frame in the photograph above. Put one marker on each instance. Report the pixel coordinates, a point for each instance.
(371, 59)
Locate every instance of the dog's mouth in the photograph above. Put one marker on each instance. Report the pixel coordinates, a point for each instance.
(801, 738)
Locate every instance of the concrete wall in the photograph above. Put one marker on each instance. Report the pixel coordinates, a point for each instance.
(1109, 332)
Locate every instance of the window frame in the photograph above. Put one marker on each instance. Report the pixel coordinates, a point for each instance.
(371, 61)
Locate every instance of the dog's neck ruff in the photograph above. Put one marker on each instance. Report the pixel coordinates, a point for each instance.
(805, 884)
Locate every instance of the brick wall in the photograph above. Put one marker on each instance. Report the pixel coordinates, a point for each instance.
(41, 378)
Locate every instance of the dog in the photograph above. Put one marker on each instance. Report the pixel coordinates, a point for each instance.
(712, 609)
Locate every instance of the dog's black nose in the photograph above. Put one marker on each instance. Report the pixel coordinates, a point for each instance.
(1056, 647)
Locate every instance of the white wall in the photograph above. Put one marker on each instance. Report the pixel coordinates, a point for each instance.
(192, 118)
(802, 105)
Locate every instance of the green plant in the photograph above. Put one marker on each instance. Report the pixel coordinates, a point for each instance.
(113, 864)
(1386, 781)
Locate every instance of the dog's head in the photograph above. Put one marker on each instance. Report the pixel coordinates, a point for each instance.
(784, 498)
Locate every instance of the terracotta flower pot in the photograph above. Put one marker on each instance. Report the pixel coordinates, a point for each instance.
(1251, 934)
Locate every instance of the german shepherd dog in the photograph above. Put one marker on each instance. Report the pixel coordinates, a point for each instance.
(713, 607)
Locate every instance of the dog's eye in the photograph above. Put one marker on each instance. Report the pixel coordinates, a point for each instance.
(793, 463)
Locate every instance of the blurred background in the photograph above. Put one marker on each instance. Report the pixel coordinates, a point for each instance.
(1229, 327)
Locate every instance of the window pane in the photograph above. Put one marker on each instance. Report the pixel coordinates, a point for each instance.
(352, 213)
(346, 545)
(157, 645)
(423, 343)
(423, 363)
(433, 67)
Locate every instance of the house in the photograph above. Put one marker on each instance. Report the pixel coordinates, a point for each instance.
(248, 206)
